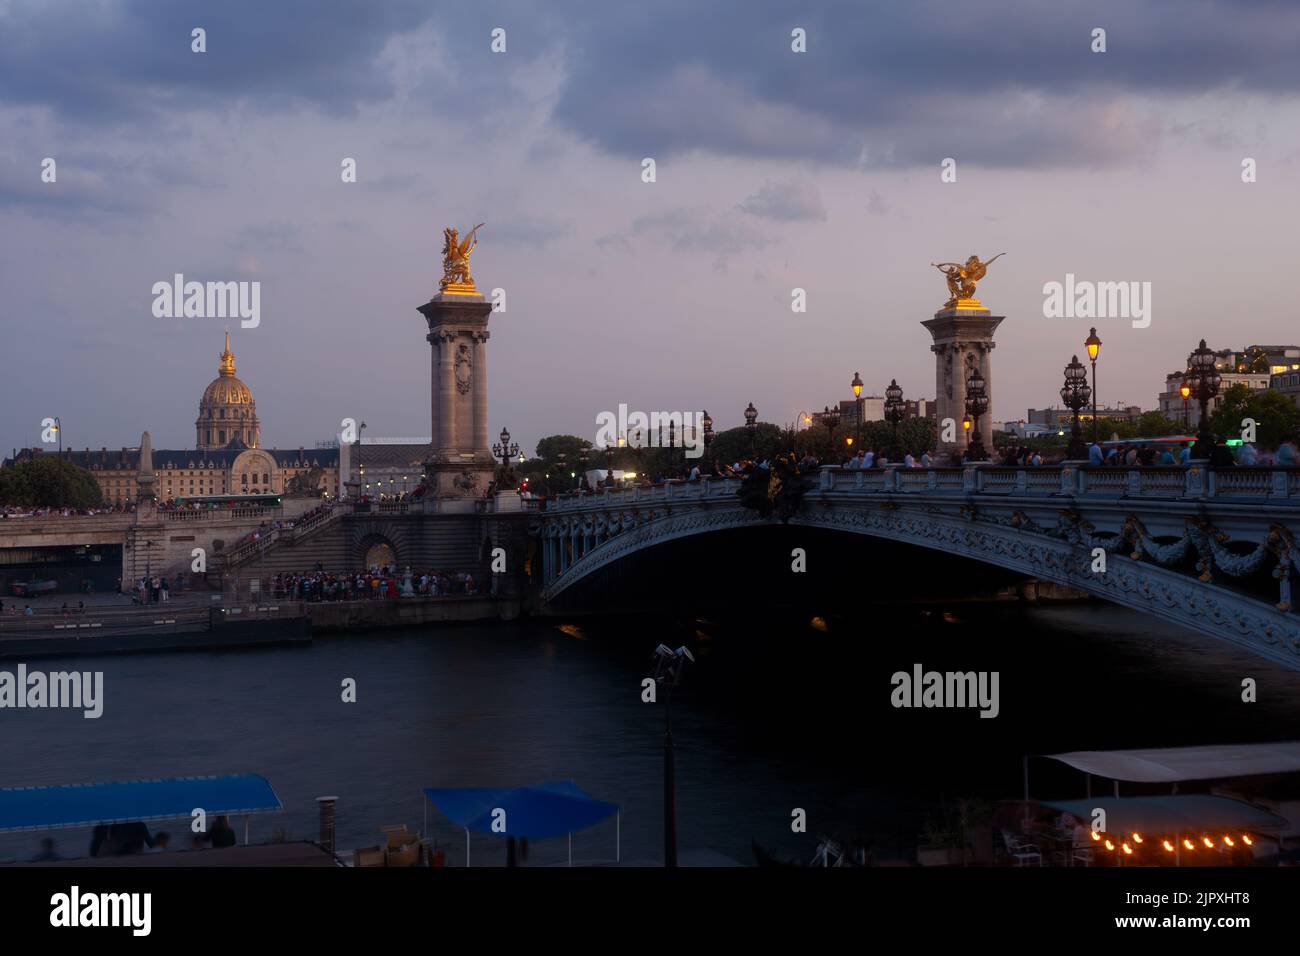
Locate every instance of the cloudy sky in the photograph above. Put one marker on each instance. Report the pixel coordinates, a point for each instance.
(775, 170)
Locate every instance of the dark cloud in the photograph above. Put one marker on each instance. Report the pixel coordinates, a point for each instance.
(788, 202)
(1002, 83)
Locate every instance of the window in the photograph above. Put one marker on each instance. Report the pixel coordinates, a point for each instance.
(221, 436)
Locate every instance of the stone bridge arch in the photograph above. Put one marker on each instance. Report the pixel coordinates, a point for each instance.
(1029, 542)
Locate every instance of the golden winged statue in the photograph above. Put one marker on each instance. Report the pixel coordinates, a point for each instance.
(455, 261)
(962, 280)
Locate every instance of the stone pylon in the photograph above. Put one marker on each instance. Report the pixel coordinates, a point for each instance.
(963, 342)
(460, 463)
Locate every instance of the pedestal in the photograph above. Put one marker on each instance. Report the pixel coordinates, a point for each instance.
(460, 463)
(963, 341)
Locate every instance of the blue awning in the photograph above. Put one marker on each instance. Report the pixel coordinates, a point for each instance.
(90, 804)
(537, 812)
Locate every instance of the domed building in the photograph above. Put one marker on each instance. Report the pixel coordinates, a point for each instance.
(227, 412)
(227, 461)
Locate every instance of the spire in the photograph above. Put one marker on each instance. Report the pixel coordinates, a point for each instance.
(227, 366)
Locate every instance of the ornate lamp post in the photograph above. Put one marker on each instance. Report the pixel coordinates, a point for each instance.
(832, 420)
(894, 414)
(1075, 394)
(505, 450)
(58, 428)
(751, 422)
(1204, 379)
(856, 385)
(977, 403)
(708, 437)
(1093, 345)
(1186, 391)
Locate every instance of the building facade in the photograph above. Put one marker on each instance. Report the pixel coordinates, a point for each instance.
(227, 458)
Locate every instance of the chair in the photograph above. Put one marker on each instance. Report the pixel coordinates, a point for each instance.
(1021, 850)
(403, 847)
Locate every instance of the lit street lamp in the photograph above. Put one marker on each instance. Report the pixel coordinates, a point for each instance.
(1075, 394)
(1186, 391)
(1093, 345)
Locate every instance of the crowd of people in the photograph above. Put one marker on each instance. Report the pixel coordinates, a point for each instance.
(23, 511)
(280, 524)
(374, 584)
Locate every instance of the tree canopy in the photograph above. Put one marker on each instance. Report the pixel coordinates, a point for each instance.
(48, 482)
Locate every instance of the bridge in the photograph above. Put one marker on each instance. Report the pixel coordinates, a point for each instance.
(1212, 550)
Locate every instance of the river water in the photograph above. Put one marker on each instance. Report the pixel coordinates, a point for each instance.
(779, 712)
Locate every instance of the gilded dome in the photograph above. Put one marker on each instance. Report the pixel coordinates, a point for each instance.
(227, 411)
(227, 390)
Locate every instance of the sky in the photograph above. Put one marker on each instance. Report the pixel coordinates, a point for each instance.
(775, 170)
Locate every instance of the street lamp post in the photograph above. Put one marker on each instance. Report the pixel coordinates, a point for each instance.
(856, 385)
(505, 450)
(361, 468)
(831, 418)
(894, 414)
(1186, 391)
(58, 428)
(1204, 381)
(1075, 393)
(751, 423)
(1093, 345)
(977, 403)
(669, 667)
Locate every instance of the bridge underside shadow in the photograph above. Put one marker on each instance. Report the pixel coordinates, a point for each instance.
(755, 567)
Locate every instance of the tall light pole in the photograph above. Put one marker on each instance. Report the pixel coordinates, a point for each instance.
(1075, 394)
(894, 414)
(1205, 381)
(669, 667)
(1093, 345)
(751, 422)
(856, 385)
(707, 422)
(58, 428)
(1186, 391)
(977, 403)
(361, 468)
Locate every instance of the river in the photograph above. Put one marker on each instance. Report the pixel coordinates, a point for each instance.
(778, 712)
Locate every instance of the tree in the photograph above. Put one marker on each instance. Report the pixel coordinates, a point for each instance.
(1276, 417)
(737, 444)
(572, 447)
(46, 482)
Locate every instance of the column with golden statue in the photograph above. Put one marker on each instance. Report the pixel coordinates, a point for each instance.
(962, 331)
(460, 463)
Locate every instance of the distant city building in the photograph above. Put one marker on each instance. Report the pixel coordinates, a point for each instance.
(1288, 383)
(382, 466)
(1171, 404)
(228, 459)
(1052, 418)
(1256, 367)
(871, 408)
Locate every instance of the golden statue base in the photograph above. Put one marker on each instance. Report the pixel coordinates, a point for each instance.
(458, 288)
(966, 304)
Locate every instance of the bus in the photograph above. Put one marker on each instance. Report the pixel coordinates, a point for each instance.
(199, 502)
